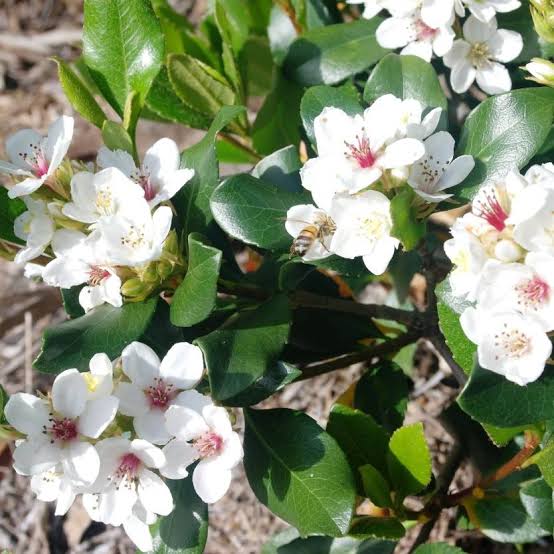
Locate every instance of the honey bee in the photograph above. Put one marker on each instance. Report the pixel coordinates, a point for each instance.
(319, 230)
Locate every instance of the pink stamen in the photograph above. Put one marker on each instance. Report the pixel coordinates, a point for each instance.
(97, 275)
(63, 430)
(208, 444)
(160, 394)
(129, 466)
(361, 152)
(492, 211)
(424, 32)
(37, 160)
(145, 183)
(534, 291)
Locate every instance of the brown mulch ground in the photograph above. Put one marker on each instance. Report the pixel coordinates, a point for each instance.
(30, 96)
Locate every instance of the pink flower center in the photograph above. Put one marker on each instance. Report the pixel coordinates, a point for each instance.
(160, 394)
(424, 32)
(129, 466)
(361, 152)
(208, 444)
(97, 275)
(533, 292)
(36, 160)
(491, 210)
(143, 179)
(62, 430)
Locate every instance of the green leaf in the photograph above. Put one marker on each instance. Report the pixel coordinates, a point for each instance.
(505, 520)
(254, 211)
(70, 300)
(233, 22)
(199, 86)
(405, 77)
(185, 530)
(536, 497)
(331, 54)
(501, 437)
(257, 67)
(361, 439)
(490, 398)
(409, 460)
(438, 548)
(104, 329)
(298, 471)
(316, 98)
(405, 225)
(545, 462)
(195, 297)
(10, 209)
(463, 350)
(383, 393)
(165, 103)
(278, 122)
(504, 132)
(377, 527)
(290, 542)
(79, 95)
(245, 350)
(376, 487)
(192, 202)
(281, 168)
(229, 153)
(3, 401)
(123, 47)
(115, 137)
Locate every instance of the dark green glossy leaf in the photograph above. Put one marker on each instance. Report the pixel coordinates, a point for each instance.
(406, 227)
(545, 462)
(501, 437)
(491, 398)
(504, 132)
(405, 77)
(377, 527)
(195, 297)
(104, 329)
(298, 471)
(409, 460)
(233, 22)
(10, 209)
(254, 211)
(70, 300)
(79, 95)
(257, 67)
(331, 54)
(316, 98)
(242, 352)
(281, 168)
(375, 486)
(115, 137)
(123, 47)
(536, 497)
(228, 153)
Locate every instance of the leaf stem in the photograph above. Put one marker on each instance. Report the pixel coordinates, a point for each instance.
(240, 145)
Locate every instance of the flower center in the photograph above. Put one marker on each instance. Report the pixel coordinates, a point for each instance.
(491, 210)
(361, 152)
(104, 202)
(134, 238)
(512, 342)
(374, 226)
(533, 292)
(479, 54)
(424, 32)
(129, 466)
(62, 430)
(97, 275)
(160, 394)
(143, 179)
(36, 160)
(208, 444)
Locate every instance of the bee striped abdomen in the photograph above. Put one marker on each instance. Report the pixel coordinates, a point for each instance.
(304, 240)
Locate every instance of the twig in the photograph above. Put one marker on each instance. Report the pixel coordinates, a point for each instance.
(240, 145)
(28, 366)
(442, 348)
(424, 533)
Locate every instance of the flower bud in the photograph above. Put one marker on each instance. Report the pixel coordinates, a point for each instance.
(150, 274)
(543, 18)
(165, 269)
(171, 244)
(508, 251)
(132, 287)
(542, 71)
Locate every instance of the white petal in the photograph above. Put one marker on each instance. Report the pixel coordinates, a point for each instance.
(139, 533)
(57, 143)
(28, 186)
(151, 427)
(192, 399)
(100, 365)
(162, 157)
(28, 414)
(458, 53)
(378, 261)
(505, 45)
(394, 32)
(211, 481)
(132, 400)
(117, 158)
(179, 455)
(141, 364)
(403, 152)
(472, 323)
(22, 142)
(462, 76)
(218, 420)
(154, 493)
(66, 272)
(10, 169)
(162, 219)
(184, 423)
(65, 498)
(443, 41)
(421, 48)
(436, 14)
(98, 414)
(116, 505)
(46, 485)
(69, 393)
(150, 455)
(81, 463)
(232, 452)
(35, 456)
(494, 78)
(183, 365)
(456, 172)
(476, 31)
(331, 128)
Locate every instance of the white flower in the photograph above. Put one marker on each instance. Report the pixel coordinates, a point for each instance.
(542, 71)
(160, 175)
(437, 171)
(363, 229)
(478, 54)
(541, 175)
(137, 237)
(36, 227)
(126, 491)
(525, 288)
(415, 36)
(203, 432)
(353, 152)
(485, 10)
(82, 259)
(312, 230)
(36, 157)
(54, 486)
(155, 385)
(57, 431)
(508, 343)
(103, 194)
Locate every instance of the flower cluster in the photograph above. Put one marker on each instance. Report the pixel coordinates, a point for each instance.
(360, 161)
(503, 255)
(101, 225)
(426, 27)
(110, 434)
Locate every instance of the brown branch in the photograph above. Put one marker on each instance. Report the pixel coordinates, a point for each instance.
(439, 343)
